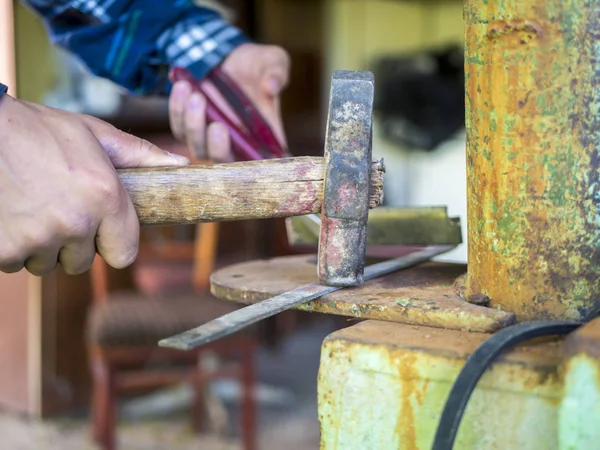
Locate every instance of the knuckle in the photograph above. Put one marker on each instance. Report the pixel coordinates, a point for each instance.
(15, 252)
(280, 55)
(39, 270)
(75, 225)
(11, 268)
(38, 239)
(11, 261)
(78, 268)
(110, 194)
(124, 258)
(144, 147)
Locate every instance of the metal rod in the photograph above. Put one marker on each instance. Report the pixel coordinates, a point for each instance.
(237, 320)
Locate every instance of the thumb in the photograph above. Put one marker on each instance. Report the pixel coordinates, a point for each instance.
(127, 151)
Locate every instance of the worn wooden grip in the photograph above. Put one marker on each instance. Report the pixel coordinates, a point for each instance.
(262, 189)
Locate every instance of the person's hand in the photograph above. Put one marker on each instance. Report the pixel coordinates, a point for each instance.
(61, 198)
(262, 71)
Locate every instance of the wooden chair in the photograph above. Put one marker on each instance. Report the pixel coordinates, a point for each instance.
(124, 329)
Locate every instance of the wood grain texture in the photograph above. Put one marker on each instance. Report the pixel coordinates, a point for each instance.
(263, 189)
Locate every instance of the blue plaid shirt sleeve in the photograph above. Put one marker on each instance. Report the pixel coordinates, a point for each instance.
(134, 43)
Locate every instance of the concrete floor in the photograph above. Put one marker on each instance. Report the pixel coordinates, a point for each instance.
(286, 421)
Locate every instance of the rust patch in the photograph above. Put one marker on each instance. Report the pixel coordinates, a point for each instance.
(478, 299)
(500, 28)
(460, 286)
(406, 428)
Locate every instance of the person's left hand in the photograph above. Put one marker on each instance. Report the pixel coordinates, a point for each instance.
(262, 71)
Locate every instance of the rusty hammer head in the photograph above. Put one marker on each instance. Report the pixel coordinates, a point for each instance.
(347, 182)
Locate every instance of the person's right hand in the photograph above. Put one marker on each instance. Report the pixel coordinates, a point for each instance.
(61, 199)
(261, 71)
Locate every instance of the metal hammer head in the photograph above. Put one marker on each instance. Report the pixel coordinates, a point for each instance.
(347, 181)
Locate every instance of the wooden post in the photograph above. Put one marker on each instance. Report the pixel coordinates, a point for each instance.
(7, 46)
(20, 302)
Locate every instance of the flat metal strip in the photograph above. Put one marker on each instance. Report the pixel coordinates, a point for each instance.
(237, 320)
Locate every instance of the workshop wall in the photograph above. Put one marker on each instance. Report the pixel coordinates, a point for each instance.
(359, 32)
(36, 66)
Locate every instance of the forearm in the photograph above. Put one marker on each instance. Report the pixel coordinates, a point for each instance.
(134, 43)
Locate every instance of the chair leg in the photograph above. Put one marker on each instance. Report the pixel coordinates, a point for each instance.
(198, 411)
(205, 248)
(249, 425)
(103, 403)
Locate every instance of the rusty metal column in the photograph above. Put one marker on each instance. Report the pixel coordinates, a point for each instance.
(533, 143)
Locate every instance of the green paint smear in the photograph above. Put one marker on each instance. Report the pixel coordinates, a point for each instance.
(493, 126)
(474, 59)
(487, 154)
(405, 302)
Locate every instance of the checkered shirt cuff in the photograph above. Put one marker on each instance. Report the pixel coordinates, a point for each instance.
(200, 48)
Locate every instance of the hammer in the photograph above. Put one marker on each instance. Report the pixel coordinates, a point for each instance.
(342, 185)
(349, 184)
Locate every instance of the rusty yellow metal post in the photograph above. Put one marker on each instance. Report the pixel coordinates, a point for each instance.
(533, 121)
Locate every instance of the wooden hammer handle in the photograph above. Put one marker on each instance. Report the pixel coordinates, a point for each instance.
(261, 189)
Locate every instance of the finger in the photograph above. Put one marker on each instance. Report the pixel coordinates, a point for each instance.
(177, 103)
(219, 143)
(42, 261)
(77, 257)
(10, 262)
(117, 239)
(12, 256)
(270, 108)
(195, 125)
(128, 151)
(12, 267)
(272, 114)
(273, 84)
(276, 72)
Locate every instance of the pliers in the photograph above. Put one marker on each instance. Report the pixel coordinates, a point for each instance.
(253, 139)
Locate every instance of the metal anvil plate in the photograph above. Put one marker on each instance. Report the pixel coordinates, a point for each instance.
(423, 295)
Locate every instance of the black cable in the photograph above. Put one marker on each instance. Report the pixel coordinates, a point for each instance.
(478, 363)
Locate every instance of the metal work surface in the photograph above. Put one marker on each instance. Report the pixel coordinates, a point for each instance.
(383, 385)
(232, 322)
(424, 295)
(347, 180)
(532, 155)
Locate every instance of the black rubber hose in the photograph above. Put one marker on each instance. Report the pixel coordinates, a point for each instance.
(478, 363)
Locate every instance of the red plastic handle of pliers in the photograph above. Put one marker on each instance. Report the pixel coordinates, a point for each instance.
(244, 145)
(243, 106)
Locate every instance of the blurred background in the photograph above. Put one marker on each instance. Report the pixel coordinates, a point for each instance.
(59, 341)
